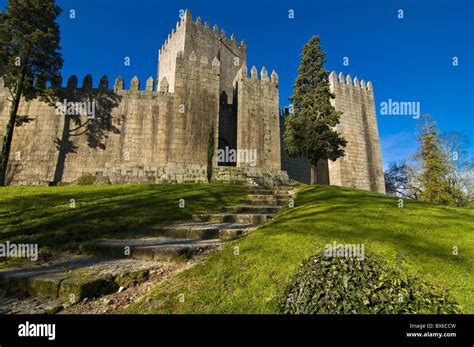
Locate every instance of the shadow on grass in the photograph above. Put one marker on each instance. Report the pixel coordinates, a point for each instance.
(422, 229)
(104, 212)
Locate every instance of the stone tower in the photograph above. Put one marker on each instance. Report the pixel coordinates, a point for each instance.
(361, 167)
(163, 134)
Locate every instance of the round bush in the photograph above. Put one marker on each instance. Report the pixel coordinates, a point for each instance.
(335, 285)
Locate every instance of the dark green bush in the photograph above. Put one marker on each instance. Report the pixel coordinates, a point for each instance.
(335, 285)
(86, 179)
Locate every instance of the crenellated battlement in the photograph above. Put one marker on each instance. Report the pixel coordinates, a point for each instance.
(72, 82)
(220, 35)
(179, 27)
(347, 82)
(243, 74)
(136, 87)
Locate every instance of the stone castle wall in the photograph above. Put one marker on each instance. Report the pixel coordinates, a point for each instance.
(167, 57)
(195, 110)
(203, 40)
(200, 39)
(362, 166)
(143, 135)
(153, 135)
(258, 124)
(148, 135)
(137, 122)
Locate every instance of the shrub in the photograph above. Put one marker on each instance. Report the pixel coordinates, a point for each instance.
(86, 179)
(335, 285)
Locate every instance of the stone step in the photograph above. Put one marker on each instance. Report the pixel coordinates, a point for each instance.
(152, 248)
(268, 197)
(253, 209)
(269, 191)
(233, 218)
(223, 231)
(72, 280)
(268, 202)
(286, 188)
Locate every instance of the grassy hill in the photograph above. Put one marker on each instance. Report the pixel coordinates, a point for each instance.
(249, 273)
(45, 214)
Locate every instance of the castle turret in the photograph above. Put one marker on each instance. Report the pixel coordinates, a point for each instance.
(361, 167)
(192, 37)
(258, 127)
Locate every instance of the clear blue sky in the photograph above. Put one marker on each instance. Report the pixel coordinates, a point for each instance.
(406, 60)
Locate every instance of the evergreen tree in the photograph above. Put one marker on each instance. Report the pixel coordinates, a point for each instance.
(435, 187)
(310, 129)
(29, 56)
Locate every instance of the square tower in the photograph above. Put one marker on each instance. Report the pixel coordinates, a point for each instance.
(194, 38)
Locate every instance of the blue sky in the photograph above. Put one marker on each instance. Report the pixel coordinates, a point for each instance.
(409, 59)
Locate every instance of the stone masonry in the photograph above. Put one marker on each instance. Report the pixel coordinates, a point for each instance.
(361, 167)
(162, 132)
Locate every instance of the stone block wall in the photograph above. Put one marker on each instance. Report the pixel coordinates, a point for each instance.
(200, 39)
(137, 134)
(250, 175)
(195, 108)
(258, 123)
(298, 169)
(161, 135)
(167, 56)
(362, 166)
(149, 138)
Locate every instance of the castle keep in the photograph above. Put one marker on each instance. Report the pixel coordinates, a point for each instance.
(203, 113)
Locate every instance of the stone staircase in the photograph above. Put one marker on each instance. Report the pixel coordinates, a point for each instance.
(108, 265)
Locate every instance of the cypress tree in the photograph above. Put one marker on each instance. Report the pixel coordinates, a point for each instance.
(310, 129)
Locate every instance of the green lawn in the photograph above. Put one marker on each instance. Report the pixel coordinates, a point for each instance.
(420, 234)
(44, 214)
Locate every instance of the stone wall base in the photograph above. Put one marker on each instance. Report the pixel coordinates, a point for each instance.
(178, 173)
(250, 175)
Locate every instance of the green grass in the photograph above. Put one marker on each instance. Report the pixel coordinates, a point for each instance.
(421, 234)
(44, 214)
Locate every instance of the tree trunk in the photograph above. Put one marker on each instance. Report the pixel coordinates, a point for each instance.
(7, 139)
(64, 148)
(313, 174)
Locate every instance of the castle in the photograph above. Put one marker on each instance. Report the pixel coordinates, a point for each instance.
(203, 117)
